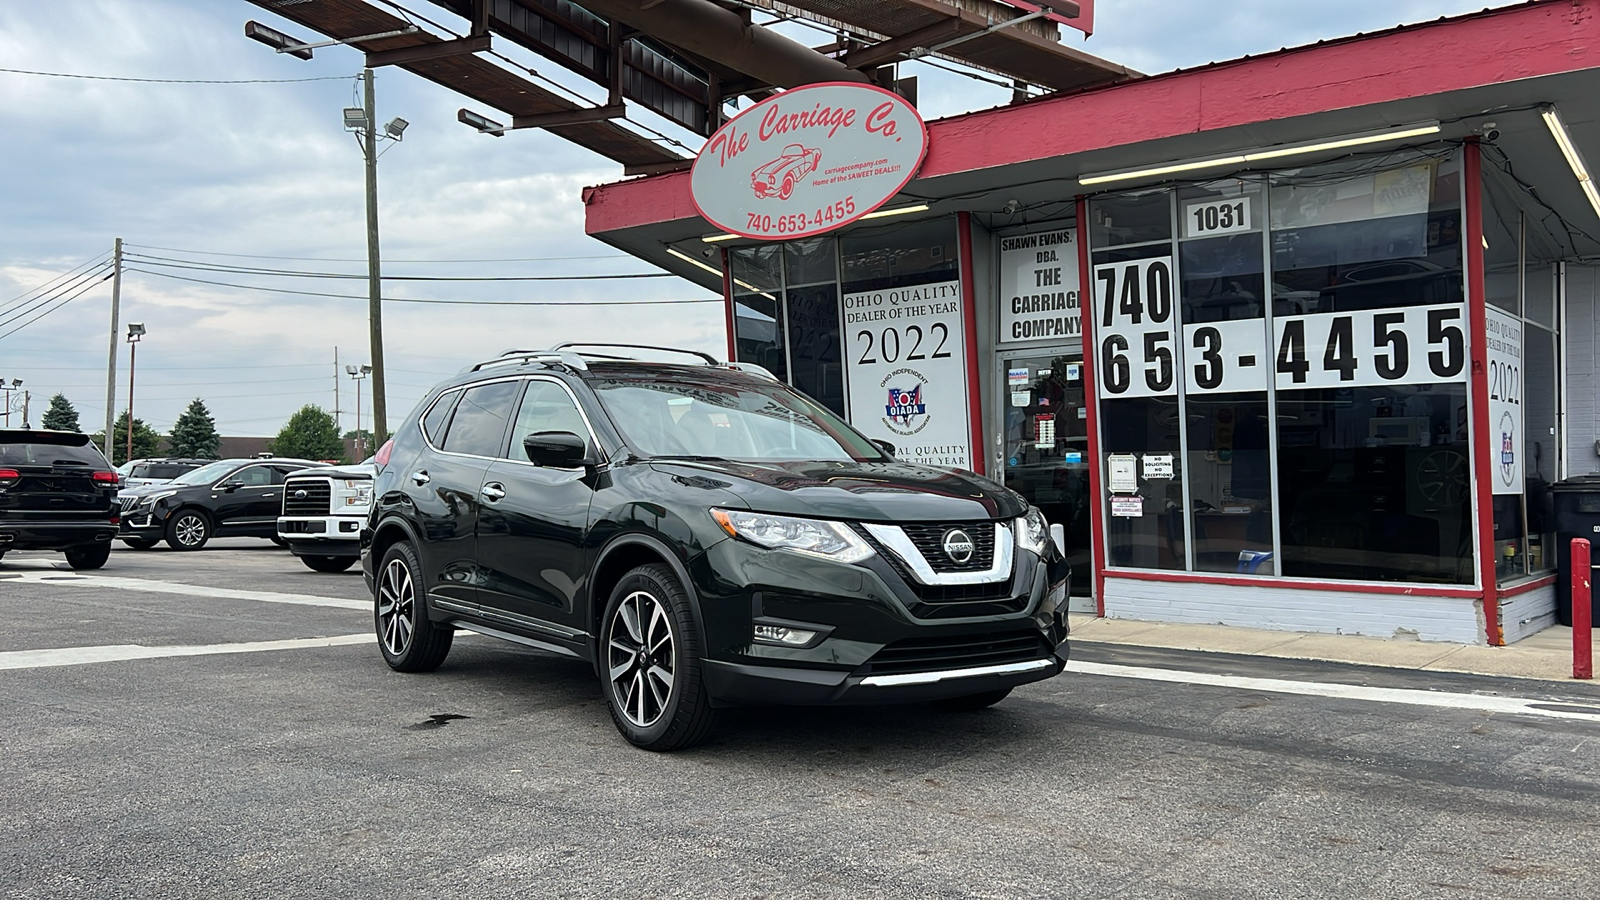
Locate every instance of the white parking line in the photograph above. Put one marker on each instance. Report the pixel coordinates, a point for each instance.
(77, 656)
(1439, 699)
(78, 579)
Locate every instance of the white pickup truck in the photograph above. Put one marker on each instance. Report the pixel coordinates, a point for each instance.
(323, 511)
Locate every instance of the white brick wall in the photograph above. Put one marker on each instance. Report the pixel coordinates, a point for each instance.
(1527, 613)
(1428, 618)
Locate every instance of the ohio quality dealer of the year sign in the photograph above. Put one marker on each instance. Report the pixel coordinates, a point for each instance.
(808, 161)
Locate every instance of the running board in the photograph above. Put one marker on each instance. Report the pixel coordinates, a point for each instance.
(515, 638)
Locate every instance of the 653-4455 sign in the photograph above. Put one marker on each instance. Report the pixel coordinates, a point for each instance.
(808, 160)
(1140, 354)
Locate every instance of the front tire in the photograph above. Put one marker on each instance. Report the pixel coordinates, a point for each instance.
(328, 563)
(188, 529)
(89, 556)
(650, 653)
(409, 640)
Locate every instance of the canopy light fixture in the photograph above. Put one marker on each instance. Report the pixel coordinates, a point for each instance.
(485, 125)
(717, 272)
(899, 211)
(1558, 130)
(1237, 159)
(713, 238)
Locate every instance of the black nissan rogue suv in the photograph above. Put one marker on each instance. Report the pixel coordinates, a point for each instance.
(705, 536)
(57, 492)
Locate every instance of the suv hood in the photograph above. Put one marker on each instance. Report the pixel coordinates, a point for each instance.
(865, 491)
(140, 490)
(356, 470)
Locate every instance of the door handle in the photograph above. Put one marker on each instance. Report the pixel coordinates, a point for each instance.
(494, 491)
(420, 477)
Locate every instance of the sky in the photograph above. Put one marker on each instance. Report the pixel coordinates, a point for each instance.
(262, 176)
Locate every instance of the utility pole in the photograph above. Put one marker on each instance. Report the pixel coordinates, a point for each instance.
(336, 425)
(26, 396)
(111, 356)
(380, 426)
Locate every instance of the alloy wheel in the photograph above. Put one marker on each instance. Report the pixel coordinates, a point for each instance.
(191, 529)
(642, 658)
(396, 607)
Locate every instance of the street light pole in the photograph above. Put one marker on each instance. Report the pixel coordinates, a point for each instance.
(135, 332)
(357, 373)
(374, 273)
(14, 384)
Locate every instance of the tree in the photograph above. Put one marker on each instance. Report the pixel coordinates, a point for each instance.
(309, 434)
(61, 416)
(146, 440)
(195, 433)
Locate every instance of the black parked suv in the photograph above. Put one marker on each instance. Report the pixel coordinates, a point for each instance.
(227, 498)
(705, 536)
(57, 492)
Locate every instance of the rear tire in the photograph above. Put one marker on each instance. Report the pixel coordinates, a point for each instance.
(139, 544)
(972, 702)
(650, 663)
(328, 563)
(409, 641)
(89, 556)
(188, 529)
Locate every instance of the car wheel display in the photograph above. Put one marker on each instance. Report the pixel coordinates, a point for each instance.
(189, 529)
(787, 189)
(972, 702)
(650, 652)
(139, 544)
(90, 556)
(409, 641)
(328, 563)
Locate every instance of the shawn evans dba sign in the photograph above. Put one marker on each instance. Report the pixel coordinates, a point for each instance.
(807, 161)
(1039, 287)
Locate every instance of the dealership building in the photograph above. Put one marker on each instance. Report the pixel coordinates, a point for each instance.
(1297, 341)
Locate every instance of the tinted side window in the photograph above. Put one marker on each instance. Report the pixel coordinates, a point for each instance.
(433, 422)
(546, 406)
(50, 454)
(254, 476)
(478, 426)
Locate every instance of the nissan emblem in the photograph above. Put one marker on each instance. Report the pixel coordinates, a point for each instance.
(958, 546)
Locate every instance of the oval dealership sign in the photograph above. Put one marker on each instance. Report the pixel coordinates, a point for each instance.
(808, 160)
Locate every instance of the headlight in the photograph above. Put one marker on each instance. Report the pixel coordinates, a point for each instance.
(814, 537)
(150, 499)
(1033, 532)
(352, 492)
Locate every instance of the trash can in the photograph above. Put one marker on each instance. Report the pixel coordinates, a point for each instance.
(1577, 513)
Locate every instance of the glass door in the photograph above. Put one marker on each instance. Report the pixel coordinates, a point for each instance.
(1047, 448)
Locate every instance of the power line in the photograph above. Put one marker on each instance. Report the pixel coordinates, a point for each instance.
(39, 301)
(52, 309)
(178, 80)
(386, 259)
(171, 263)
(46, 286)
(248, 287)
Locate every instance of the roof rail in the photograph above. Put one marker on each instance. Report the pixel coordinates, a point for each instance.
(548, 357)
(708, 358)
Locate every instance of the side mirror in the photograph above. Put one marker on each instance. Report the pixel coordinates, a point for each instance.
(231, 486)
(885, 446)
(556, 449)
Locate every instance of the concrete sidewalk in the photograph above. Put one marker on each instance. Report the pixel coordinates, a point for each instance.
(1546, 655)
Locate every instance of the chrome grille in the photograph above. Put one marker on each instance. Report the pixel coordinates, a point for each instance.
(929, 538)
(317, 499)
(128, 503)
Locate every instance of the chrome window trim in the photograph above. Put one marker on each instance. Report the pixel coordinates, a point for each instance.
(593, 438)
(236, 472)
(894, 538)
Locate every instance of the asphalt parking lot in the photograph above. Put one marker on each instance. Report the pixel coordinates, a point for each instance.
(220, 724)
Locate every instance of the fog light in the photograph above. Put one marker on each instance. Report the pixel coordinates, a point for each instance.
(783, 637)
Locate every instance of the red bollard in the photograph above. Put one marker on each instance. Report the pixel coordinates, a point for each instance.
(1582, 612)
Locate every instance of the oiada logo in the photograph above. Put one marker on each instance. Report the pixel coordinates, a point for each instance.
(1508, 453)
(906, 411)
(905, 405)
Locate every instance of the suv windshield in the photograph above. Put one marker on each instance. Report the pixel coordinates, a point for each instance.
(205, 474)
(727, 415)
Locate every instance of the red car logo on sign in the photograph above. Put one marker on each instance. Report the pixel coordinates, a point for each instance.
(778, 178)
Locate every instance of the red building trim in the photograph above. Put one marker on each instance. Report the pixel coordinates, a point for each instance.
(1478, 321)
(1526, 586)
(1529, 40)
(969, 323)
(1419, 590)
(1086, 320)
(727, 302)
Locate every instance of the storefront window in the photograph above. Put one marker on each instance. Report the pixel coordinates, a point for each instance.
(811, 301)
(1140, 451)
(1047, 443)
(757, 317)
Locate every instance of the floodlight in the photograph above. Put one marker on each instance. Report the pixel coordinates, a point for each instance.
(349, 370)
(277, 40)
(355, 118)
(396, 127)
(487, 126)
(135, 330)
